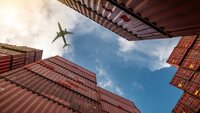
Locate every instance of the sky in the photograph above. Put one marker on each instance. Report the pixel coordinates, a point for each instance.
(135, 70)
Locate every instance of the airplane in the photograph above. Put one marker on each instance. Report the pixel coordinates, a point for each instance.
(62, 34)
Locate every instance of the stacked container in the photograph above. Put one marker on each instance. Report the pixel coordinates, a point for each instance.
(187, 78)
(180, 51)
(12, 57)
(57, 85)
(55, 80)
(112, 103)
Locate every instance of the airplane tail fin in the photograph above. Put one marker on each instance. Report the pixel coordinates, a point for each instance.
(66, 45)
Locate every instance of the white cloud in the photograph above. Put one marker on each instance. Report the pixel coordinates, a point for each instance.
(105, 81)
(33, 23)
(137, 86)
(125, 46)
(151, 54)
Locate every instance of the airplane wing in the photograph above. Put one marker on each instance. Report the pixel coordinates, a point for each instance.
(66, 32)
(58, 35)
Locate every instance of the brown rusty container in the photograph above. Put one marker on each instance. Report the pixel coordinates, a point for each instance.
(197, 45)
(181, 108)
(191, 102)
(193, 89)
(184, 74)
(186, 41)
(113, 103)
(17, 99)
(74, 68)
(48, 87)
(17, 56)
(196, 78)
(192, 64)
(179, 82)
(137, 20)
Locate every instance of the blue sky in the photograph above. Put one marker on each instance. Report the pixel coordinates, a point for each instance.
(134, 70)
(101, 51)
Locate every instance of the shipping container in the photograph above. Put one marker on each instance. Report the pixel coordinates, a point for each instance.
(179, 82)
(74, 69)
(139, 19)
(13, 57)
(197, 45)
(58, 92)
(184, 74)
(192, 64)
(186, 41)
(108, 108)
(193, 89)
(70, 74)
(117, 103)
(191, 102)
(180, 108)
(193, 54)
(175, 61)
(114, 96)
(117, 20)
(196, 78)
(17, 99)
(48, 72)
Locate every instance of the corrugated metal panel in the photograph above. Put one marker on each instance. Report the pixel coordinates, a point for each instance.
(171, 15)
(117, 103)
(75, 69)
(137, 20)
(17, 56)
(125, 25)
(192, 64)
(186, 41)
(191, 102)
(52, 90)
(196, 78)
(111, 109)
(179, 82)
(197, 45)
(116, 97)
(77, 66)
(79, 79)
(180, 108)
(58, 78)
(15, 99)
(184, 73)
(193, 89)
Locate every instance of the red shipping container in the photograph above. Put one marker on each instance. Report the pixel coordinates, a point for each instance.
(15, 99)
(18, 56)
(49, 89)
(184, 73)
(117, 103)
(193, 54)
(191, 102)
(175, 61)
(196, 78)
(193, 89)
(186, 41)
(192, 64)
(179, 52)
(116, 97)
(108, 108)
(180, 108)
(179, 82)
(71, 75)
(197, 45)
(72, 68)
